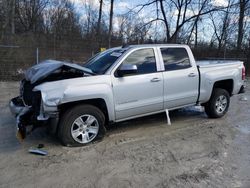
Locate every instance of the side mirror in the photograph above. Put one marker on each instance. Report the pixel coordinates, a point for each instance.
(126, 69)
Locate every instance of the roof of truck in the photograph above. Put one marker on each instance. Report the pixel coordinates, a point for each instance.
(154, 45)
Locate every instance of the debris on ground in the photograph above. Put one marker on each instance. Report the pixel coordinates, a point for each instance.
(40, 146)
(243, 98)
(38, 152)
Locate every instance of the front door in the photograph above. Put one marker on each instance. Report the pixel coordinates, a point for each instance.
(142, 92)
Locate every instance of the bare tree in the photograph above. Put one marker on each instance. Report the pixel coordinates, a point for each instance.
(242, 7)
(99, 23)
(30, 14)
(195, 27)
(7, 17)
(110, 22)
(186, 11)
(133, 28)
(165, 19)
(221, 31)
(12, 17)
(121, 19)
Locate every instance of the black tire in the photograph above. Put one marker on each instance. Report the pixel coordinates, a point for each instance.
(210, 107)
(69, 117)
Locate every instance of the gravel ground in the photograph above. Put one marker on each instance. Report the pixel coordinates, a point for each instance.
(193, 152)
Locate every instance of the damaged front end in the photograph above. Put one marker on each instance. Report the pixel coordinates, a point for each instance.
(18, 109)
(28, 107)
(27, 110)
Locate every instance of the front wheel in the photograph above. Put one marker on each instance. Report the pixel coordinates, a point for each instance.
(218, 104)
(81, 125)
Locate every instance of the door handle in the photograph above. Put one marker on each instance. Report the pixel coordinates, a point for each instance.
(192, 75)
(155, 80)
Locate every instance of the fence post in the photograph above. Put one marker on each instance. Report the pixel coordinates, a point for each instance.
(37, 55)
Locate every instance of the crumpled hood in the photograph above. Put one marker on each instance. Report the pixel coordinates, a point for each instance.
(45, 68)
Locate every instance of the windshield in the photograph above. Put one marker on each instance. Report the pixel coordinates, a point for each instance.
(100, 63)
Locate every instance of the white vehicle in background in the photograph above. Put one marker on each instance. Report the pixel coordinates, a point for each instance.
(119, 84)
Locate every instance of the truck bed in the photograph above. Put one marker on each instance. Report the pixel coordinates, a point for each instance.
(208, 63)
(212, 71)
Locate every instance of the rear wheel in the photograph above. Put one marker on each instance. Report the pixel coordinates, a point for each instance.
(218, 104)
(81, 125)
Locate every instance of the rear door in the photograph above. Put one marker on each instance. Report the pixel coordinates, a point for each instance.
(142, 92)
(180, 77)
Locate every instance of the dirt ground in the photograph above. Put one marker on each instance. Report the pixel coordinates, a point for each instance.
(193, 152)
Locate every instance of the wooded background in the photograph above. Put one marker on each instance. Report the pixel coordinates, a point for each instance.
(74, 30)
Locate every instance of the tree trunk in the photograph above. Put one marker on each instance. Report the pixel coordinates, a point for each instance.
(110, 22)
(241, 23)
(99, 25)
(165, 20)
(88, 21)
(196, 34)
(12, 18)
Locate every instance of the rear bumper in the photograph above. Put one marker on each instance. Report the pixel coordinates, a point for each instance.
(242, 89)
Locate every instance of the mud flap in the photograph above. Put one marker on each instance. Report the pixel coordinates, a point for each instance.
(242, 89)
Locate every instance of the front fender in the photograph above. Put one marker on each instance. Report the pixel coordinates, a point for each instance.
(78, 93)
(97, 91)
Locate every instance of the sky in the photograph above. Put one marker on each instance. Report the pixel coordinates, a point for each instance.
(120, 7)
(123, 6)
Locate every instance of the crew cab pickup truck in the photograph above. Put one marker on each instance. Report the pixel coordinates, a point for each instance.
(78, 101)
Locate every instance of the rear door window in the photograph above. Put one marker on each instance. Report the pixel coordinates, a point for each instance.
(175, 58)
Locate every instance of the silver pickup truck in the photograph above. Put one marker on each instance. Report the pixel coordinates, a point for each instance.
(76, 102)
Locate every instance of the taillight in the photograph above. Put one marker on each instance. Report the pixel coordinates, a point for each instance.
(243, 73)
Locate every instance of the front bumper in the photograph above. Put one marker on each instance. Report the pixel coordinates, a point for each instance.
(28, 116)
(16, 105)
(18, 109)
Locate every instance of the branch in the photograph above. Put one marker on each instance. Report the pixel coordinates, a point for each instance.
(144, 5)
(151, 21)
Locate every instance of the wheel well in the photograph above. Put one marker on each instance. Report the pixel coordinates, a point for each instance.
(99, 103)
(225, 84)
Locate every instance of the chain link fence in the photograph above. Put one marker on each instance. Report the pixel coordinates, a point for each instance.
(14, 60)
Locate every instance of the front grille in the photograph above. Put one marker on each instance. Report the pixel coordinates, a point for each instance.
(27, 93)
(36, 102)
(30, 98)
